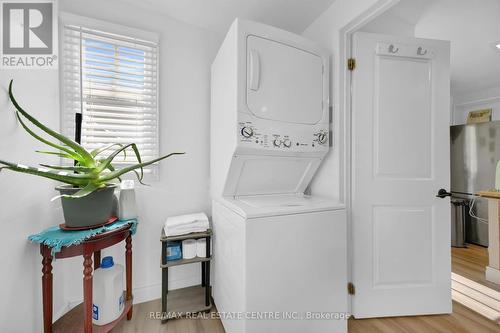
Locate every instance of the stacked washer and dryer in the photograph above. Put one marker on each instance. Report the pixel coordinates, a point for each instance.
(279, 254)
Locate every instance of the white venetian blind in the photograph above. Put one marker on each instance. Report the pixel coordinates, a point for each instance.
(112, 80)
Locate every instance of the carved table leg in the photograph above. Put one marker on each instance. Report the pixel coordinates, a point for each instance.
(87, 291)
(47, 288)
(97, 259)
(128, 271)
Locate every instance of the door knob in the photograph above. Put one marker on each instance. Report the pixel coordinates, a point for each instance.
(442, 193)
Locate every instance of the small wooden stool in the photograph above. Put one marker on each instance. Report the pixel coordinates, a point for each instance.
(87, 248)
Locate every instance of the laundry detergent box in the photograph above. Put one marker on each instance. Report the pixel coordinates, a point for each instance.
(174, 251)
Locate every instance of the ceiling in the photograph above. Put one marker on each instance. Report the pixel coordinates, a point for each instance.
(472, 27)
(217, 15)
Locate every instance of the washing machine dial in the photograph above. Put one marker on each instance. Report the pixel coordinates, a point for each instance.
(287, 143)
(277, 142)
(247, 132)
(322, 138)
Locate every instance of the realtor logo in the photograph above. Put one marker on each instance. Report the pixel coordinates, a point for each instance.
(28, 34)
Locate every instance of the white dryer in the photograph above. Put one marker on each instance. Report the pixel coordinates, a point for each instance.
(279, 255)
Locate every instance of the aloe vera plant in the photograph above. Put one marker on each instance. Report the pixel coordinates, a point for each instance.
(91, 171)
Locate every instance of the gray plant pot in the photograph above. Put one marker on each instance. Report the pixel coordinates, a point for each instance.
(93, 209)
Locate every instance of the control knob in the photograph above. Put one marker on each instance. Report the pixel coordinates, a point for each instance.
(287, 143)
(247, 132)
(277, 142)
(322, 138)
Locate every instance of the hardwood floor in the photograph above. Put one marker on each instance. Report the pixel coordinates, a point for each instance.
(462, 320)
(471, 262)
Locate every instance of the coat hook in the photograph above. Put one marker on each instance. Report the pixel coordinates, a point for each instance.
(393, 49)
(421, 51)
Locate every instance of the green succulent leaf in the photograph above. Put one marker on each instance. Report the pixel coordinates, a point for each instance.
(122, 171)
(63, 155)
(81, 193)
(104, 164)
(69, 152)
(90, 172)
(98, 151)
(76, 168)
(112, 168)
(88, 160)
(65, 177)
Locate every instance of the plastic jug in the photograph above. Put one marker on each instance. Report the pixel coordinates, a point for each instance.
(107, 292)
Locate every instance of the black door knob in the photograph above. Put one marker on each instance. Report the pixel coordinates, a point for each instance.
(442, 193)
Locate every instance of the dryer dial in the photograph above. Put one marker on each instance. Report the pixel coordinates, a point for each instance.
(322, 138)
(247, 132)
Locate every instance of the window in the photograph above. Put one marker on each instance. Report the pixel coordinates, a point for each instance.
(112, 80)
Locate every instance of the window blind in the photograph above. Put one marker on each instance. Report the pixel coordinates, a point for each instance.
(112, 80)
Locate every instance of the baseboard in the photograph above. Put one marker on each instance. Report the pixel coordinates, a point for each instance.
(492, 275)
(141, 294)
(476, 297)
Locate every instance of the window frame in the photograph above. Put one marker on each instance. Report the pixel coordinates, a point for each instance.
(120, 30)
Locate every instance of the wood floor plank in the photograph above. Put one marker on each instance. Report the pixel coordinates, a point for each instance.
(462, 320)
(471, 263)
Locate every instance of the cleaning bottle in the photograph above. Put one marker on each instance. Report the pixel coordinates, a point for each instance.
(107, 292)
(126, 206)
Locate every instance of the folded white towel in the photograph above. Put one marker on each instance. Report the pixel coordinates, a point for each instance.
(185, 224)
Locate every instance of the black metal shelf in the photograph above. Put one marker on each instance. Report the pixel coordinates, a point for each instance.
(179, 262)
(174, 300)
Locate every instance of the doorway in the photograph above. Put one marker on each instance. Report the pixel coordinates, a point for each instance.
(468, 27)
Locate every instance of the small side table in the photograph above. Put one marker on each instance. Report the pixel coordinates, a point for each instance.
(191, 299)
(83, 314)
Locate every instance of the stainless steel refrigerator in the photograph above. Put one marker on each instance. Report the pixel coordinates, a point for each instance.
(475, 150)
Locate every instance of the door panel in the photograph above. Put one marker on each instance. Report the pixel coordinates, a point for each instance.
(396, 263)
(402, 117)
(400, 158)
(284, 83)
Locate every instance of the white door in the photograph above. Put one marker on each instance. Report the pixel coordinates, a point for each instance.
(284, 83)
(400, 159)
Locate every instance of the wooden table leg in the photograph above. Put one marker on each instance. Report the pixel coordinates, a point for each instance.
(47, 288)
(97, 259)
(128, 271)
(87, 291)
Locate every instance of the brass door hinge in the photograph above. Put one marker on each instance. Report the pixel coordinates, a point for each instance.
(351, 64)
(350, 288)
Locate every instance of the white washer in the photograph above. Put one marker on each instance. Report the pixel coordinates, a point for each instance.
(279, 255)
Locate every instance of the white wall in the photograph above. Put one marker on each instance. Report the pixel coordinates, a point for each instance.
(186, 54)
(25, 206)
(477, 100)
(330, 180)
(390, 24)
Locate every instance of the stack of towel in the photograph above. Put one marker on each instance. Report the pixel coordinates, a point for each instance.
(185, 224)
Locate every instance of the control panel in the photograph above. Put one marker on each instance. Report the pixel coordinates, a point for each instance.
(297, 139)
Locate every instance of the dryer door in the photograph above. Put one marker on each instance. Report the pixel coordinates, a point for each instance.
(284, 83)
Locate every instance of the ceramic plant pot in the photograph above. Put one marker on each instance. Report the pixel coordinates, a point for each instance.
(91, 210)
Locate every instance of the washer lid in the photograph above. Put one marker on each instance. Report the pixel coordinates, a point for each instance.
(276, 205)
(284, 83)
